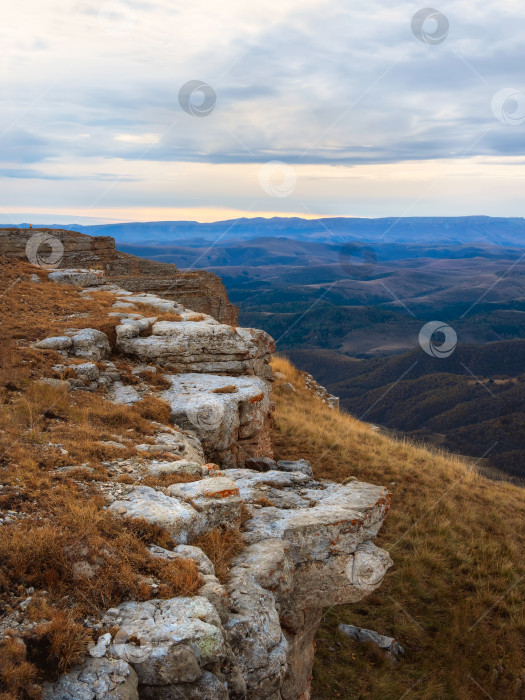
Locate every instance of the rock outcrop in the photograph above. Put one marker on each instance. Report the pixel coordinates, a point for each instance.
(204, 346)
(308, 544)
(201, 291)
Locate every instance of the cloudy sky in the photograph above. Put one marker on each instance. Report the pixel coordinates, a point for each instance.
(313, 109)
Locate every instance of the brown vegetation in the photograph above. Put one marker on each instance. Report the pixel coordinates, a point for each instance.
(221, 546)
(230, 389)
(153, 408)
(454, 597)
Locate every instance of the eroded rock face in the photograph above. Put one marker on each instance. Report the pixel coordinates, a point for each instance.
(310, 545)
(231, 426)
(313, 548)
(191, 509)
(199, 290)
(167, 641)
(91, 344)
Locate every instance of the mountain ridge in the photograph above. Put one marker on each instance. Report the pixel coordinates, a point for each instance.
(465, 229)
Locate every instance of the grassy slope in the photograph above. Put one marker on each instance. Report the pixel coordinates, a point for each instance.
(454, 597)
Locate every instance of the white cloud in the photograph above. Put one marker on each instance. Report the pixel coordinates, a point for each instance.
(316, 85)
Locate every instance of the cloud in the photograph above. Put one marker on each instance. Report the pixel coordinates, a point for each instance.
(340, 83)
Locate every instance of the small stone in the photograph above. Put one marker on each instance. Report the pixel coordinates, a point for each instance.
(55, 343)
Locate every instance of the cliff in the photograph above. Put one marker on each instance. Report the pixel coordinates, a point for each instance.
(131, 425)
(203, 473)
(201, 291)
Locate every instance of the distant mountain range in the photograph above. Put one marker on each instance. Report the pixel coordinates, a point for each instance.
(442, 230)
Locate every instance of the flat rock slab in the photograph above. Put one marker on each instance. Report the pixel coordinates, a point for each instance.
(78, 278)
(318, 519)
(181, 466)
(361, 634)
(91, 344)
(55, 343)
(218, 500)
(185, 514)
(201, 346)
(178, 518)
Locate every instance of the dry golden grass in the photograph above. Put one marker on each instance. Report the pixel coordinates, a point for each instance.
(221, 546)
(454, 597)
(147, 310)
(165, 480)
(31, 312)
(59, 644)
(230, 389)
(155, 379)
(18, 677)
(153, 408)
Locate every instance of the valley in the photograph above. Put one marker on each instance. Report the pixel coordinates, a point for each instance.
(350, 313)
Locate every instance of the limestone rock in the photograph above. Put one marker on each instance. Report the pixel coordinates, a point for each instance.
(99, 649)
(217, 500)
(201, 346)
(217, 594)
(312, 551)
(78, 278)
(199, 290)
(123, 393)
(181, 466)
(95, 679)
(167, 641)
(91, 344)
(87, 371)
(255, 635)
(231, 426)
(185, 551)
(387, 644)
(180, 519)
(60, 342)
(298, 465)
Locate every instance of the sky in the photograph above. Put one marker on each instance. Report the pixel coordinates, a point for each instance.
(166, 110)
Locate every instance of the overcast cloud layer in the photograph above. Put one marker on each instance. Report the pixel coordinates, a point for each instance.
(373, 120)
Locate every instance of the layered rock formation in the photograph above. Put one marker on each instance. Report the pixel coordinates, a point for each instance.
(201, 291)
(309, 544)
(253, 639)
